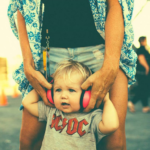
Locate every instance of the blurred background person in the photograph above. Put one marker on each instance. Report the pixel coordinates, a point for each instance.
(143, 77)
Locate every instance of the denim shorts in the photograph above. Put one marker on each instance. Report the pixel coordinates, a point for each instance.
(91, 56)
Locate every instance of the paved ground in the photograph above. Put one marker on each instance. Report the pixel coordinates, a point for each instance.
(10, 122)
(137, 127)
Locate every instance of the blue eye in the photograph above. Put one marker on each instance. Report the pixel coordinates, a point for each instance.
(71, 90)
(58, 90)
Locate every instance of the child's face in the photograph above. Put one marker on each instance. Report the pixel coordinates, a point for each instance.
(67, 92)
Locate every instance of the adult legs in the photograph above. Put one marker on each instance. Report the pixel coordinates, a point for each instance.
(141, 93)
(32, 132)
(145, 93)
(144, 98)
(137, 94)
(135, 99)
(119, 97)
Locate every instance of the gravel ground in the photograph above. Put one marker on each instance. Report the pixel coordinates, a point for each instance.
(137, 127)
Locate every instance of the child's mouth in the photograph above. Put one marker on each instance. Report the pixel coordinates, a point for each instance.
(64, 104)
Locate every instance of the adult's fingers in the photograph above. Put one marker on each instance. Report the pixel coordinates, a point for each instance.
(41, 79)
(86, 84)
(95, 92)
(102, 94)
(45, 100)
(41, 91)
(99, 100)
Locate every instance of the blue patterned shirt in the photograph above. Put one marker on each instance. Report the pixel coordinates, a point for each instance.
(32, 11)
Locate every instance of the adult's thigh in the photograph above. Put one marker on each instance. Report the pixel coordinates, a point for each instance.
(119, 97)
(32, 132)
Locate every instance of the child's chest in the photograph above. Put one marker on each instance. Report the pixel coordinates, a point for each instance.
(77, 126)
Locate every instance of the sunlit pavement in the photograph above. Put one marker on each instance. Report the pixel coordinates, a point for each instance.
(137, 127)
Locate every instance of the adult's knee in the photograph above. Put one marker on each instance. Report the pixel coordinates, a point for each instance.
(30, 144)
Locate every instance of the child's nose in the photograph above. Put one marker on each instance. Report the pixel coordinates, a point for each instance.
(64, 95)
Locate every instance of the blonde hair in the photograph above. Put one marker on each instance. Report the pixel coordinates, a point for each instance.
(66, 67)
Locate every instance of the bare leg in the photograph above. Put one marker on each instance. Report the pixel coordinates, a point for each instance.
(32, 132)
(119, 97)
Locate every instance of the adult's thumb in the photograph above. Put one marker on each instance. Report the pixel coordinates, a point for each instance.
(48, 85)
(85, 85)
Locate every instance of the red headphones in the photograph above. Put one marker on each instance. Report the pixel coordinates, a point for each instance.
(84, 99)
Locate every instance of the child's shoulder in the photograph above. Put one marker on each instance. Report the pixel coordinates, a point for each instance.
(97, 111)
(41, 105)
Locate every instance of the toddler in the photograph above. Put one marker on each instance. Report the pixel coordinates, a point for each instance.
(68, 127)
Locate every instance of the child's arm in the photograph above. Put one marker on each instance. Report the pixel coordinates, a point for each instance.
(30, 102)
(110, 121)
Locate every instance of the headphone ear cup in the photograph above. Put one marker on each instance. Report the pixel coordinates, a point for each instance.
(85, 99)
(49, 95)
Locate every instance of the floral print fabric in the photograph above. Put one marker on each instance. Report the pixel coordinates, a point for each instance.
(32, 11)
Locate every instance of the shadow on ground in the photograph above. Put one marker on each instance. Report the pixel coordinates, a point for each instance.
(137, 127)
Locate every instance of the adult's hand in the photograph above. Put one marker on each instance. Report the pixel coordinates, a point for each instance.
(146, 70)
(101, 82)
(38, 81)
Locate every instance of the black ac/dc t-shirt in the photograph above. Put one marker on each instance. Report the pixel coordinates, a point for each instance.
(70, 24)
